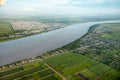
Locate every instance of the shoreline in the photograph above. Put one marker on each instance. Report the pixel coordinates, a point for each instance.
(52, 51)
(61, 46)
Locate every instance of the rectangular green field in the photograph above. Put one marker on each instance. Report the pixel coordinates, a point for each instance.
(45, 73)
(89, 74)
(33, 64)
(6, 29)
(52, 77)
(100, 69)
(113, 33)
(26, 77)
(71, 64)
(11, 71)
(23, 73)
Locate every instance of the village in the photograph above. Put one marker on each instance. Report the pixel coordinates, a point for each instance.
(27, 28)
(100, 44)
(32, 59)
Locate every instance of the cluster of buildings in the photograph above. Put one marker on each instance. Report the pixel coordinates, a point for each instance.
(27, 25)
(22, 29)
(32, 59)
(28, 28)
(103, 49)
(35, 27)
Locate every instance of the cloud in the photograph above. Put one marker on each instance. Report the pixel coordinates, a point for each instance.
(87, 1)
(28, 9)
(67, 7)
(94, 1)
(48, 3)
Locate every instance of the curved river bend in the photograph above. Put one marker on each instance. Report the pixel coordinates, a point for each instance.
(15, 50)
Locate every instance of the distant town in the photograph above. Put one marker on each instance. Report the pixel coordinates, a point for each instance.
(22, 29)
(95, 53)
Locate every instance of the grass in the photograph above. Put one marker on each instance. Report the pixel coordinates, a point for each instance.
(6, 29)
(112, 31)
(67, 64)
(45, 73)
(99, 69)
(36, 76)
(11, 71)
(26, 78)
(26, 72)
(31, 65)
(112, 75)
(89, 73)
(70, 64)
(112, 35)
(34, 70)
(28, 66)
(103, 71)
(41, 74)
(52, 77)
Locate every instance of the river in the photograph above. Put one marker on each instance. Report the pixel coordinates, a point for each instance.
(32, 46)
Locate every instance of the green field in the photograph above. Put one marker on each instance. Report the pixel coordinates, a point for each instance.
(11, 71)
(111, 31)
(6, 29)
(70, 64)
(52, 77)
(101, 43)
(35, 70)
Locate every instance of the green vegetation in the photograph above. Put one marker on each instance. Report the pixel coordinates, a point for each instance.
(26, 77)
(6, 29)
(11, 71)
(45, 73)
(101, 43)
(10, 30)
(90, 74)
(111, 31)
(96, 56)
(26, 72)
(70, 64)
(52, 77)
(31, 65)
(34, 70)
(99, 69)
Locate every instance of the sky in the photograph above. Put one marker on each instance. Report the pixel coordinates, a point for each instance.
(60, 7)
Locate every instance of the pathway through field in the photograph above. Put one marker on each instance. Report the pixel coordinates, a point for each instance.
(54, 71)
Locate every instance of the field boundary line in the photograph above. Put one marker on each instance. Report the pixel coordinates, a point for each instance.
(31, 73)
(17, 72)
(54, 70)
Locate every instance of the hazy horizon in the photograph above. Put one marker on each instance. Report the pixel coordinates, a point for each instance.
(60, 7)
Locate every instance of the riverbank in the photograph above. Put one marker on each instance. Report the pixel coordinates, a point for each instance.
(101, 43)
(59, 64)
(32, 46)
(92, 51)
(16, 30)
